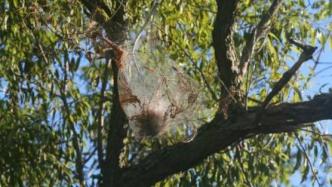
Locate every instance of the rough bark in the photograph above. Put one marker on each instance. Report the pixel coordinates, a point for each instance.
(218, 136)
(116, 29)
(225, 54)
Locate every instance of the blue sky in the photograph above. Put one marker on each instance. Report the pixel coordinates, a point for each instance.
(321, 82)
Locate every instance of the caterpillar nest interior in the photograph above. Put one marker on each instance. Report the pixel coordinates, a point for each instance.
(155, 94)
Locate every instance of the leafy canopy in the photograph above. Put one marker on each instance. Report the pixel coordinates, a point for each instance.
(50, 93)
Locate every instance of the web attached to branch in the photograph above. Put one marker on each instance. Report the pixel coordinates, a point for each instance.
(155, 94)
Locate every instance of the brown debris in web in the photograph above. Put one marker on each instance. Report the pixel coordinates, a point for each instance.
(154, 94)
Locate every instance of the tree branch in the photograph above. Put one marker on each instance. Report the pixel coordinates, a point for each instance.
(225, 53)
(223, 41)
(214, 137)
(79, 162)
(112, 21)
(100, 114)
(308, 160)
(116, 29)
(258, 33)
(305, 55)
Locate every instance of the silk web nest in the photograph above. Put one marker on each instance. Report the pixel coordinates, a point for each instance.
(155, 94)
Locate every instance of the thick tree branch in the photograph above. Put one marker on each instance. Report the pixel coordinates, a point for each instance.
(223, 41)
(116, 132)
(225, 53)
(286, 117)
(116, 29)
(231, 69)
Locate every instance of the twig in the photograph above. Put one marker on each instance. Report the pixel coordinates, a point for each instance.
(100, 116)
(255, 100)
(242, 170)
(305, 55)
(259, 32)
(317, 133)
(43, 53)
(90, 155)
(308, 160)
(78, 159)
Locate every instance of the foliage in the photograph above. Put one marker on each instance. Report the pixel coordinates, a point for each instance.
(51, 91)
